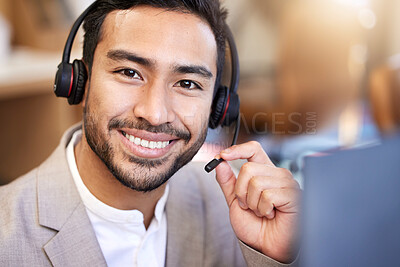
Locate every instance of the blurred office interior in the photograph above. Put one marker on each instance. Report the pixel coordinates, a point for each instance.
(316, 76)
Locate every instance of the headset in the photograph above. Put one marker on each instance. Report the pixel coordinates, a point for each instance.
(70, 81)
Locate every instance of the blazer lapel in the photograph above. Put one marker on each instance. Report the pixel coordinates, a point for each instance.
(185, 222)
(75, 244)
(61, 209)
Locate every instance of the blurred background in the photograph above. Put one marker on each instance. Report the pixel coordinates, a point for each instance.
(316, 76)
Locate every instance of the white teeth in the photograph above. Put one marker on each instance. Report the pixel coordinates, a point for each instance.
(146, 143)
(151, 144)
(137, 141)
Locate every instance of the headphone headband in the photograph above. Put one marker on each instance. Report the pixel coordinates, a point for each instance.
(234, 82)
(74, 29)
(70, 78)
(234, 60)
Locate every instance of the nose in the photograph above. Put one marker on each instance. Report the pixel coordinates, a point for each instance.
(154, 105)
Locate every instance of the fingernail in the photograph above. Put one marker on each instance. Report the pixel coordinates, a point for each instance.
(227, 151)
(270, 215)
(242, 205)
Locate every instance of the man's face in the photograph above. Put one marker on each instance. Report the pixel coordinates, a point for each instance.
(146, 111)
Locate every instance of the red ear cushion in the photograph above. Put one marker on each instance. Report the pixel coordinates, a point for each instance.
(78, 87)
(218, 107)
(232, 110)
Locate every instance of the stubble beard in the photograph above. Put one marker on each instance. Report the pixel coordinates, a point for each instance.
(143, 176)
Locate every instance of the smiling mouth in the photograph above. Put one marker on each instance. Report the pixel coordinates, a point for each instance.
(146, 143)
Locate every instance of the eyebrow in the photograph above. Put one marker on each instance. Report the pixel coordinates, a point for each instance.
(193, 69)
(121, 55)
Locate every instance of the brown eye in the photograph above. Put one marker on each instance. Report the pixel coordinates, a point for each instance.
(187, 84)
(130, 74)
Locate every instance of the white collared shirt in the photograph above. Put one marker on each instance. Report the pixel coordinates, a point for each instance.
(121, 234)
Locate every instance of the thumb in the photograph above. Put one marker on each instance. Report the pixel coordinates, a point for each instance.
(226, 180)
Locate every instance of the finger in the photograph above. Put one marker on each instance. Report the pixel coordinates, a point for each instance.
(257, 185)
(252, 169)
(252, 151)
(226, 180)
(281, 199)
(271, 214)
(247, 171)
(265, 206)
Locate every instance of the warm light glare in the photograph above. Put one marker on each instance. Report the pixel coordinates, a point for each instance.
(359, 53)
(367, 18)
(353, 3)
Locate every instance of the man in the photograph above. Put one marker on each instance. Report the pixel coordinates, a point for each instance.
(105, 195)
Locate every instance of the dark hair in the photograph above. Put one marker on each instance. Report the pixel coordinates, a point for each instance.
(209, 10)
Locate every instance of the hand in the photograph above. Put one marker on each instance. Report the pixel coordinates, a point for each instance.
(263, 201)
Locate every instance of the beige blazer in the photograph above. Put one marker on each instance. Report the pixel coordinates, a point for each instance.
(44, 223)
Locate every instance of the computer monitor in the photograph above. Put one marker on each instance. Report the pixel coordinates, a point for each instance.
(351, 212)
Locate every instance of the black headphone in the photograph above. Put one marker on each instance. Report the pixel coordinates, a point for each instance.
(70, 80)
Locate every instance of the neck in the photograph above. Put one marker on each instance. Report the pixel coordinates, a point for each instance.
(105, 187)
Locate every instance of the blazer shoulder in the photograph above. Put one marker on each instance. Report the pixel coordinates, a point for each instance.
(18, 212)
(21, 190)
